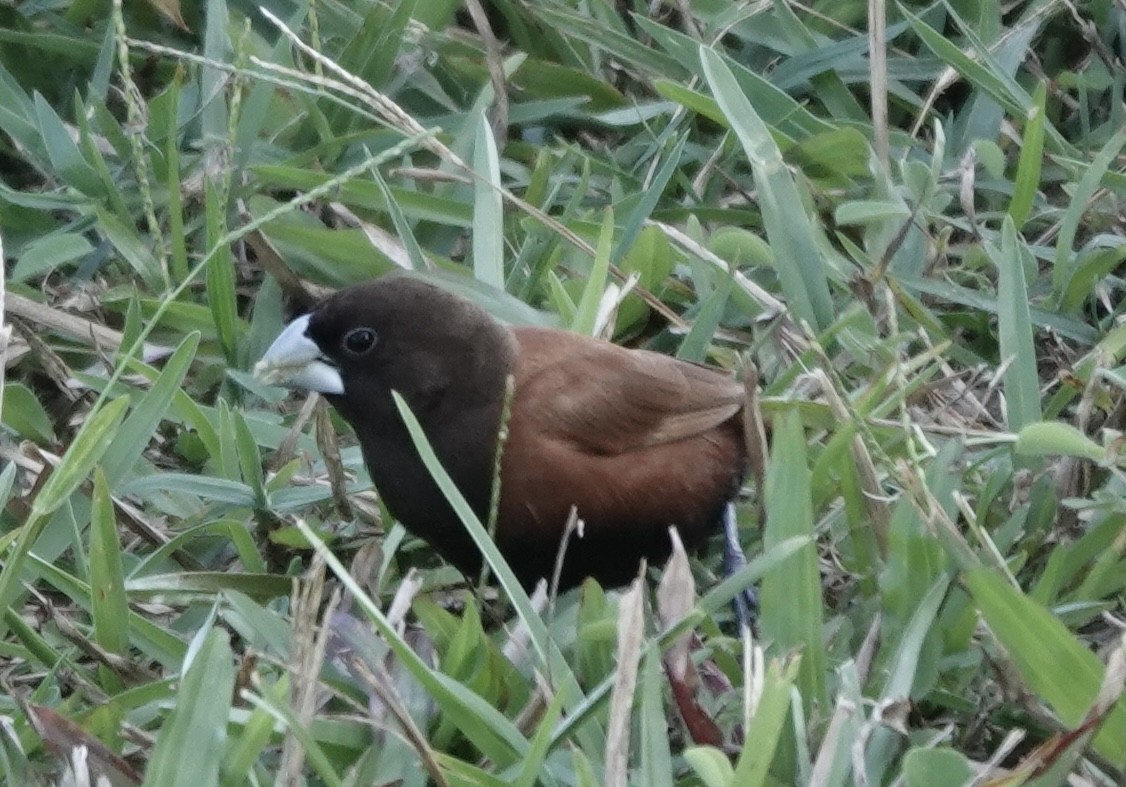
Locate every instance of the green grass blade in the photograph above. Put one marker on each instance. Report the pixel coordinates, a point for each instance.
(1084, 190)
(488, 211)
(797, 260)
(586, 315)
(767, 724)
(1027, 182)
(220, 277)
(88, 447)
(791, 599)
(107, 578)
(189, 748)
(1022, 383)
(415, 253)
(655, 765)
(489, 731)
(711, 766)
(130, 440)
(1053, 662)
(634, 221)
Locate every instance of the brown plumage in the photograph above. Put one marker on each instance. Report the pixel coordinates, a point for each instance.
(636, 440)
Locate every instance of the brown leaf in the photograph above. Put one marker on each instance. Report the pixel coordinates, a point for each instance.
(701, 727)
(170, 10)
(676, 598)
(631, 634)
(62, 736)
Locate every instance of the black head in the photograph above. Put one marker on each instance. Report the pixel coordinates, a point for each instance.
(395, 333)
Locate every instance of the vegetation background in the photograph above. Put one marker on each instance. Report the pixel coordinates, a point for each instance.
(913, 228)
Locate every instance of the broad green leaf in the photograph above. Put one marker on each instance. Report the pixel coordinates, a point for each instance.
(66, 159)
(1055, 438)
(23, 414)
(711, 766)
(870, 211)
(219, 490)
(207, 583)
(91, 442)
(419, 206)
(48, 252)
(936, 768)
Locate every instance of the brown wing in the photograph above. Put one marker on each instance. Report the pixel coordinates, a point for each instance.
(605, 399)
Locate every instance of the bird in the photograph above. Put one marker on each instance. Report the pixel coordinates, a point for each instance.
(635, 440)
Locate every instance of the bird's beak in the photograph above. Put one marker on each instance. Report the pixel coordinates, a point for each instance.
(295, 361)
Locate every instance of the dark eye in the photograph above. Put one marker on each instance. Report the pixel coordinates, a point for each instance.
(359, 340)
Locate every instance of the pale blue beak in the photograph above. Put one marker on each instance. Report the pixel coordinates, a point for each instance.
(295, 361)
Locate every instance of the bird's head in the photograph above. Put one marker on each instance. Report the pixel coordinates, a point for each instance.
(394, 333)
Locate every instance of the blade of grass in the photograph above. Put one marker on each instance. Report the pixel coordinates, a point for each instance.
(1022, 383)
(547, 651)
(488, 210)
(655, 762)
(1052, 661)
(415, 254)
(88, 447)
(533, 771)
(130, 440)
(482, 724)
(903, 670)
(797, 260)
(152, 640)
(791, 600)
(634, 222)
(718, 597)
(586, 314)
(220, 276)
(107, 580)
(189, 747)
(1084, 190)
(1027, 181)
(767, 724)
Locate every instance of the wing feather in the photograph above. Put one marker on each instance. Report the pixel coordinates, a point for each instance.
(606, 399)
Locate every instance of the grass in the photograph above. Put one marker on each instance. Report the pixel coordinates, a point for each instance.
(921, 254)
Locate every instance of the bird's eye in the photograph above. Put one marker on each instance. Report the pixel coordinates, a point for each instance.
(359, 340)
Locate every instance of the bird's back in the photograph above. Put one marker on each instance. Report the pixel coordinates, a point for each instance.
(636, 441)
